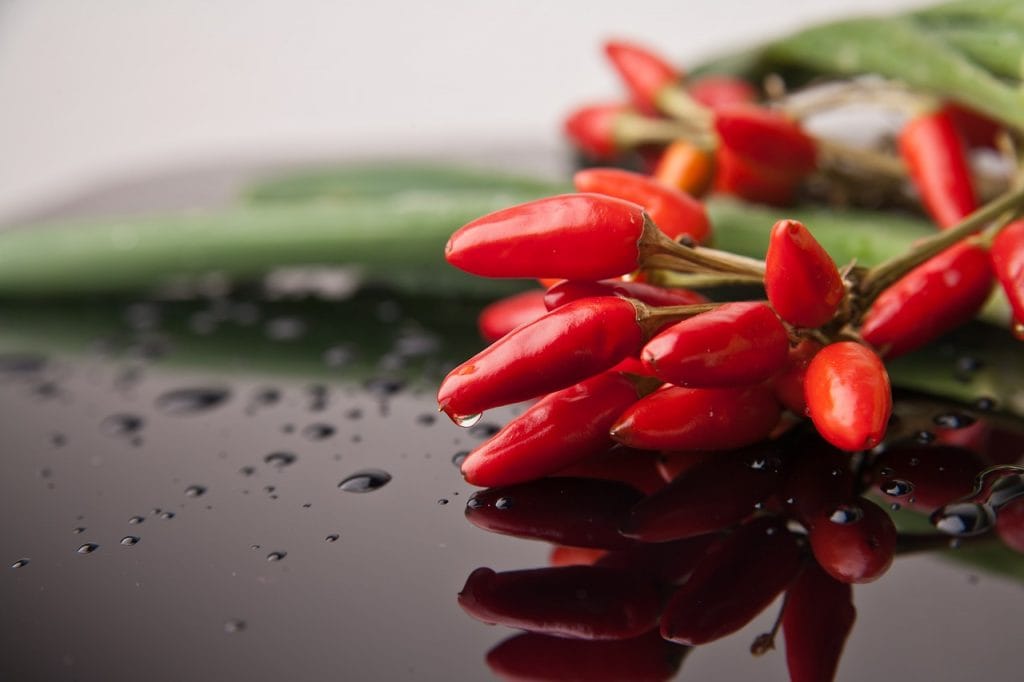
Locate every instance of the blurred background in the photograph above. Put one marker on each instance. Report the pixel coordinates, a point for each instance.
(105, 90)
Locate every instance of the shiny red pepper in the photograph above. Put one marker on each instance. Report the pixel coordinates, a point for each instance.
(848, 395)
(501, 317)
(585, 602)
(573, 290)
(570, 236)
(976, 129)
(751, 181)
(644, 73)
(1007, 255)
(679, 418)
(676, 213)
(854, 543)
(721, 491)
(717, 92)
(737, 579)
(735, 344)
(936, 159)
(683, 165)
(817, 619)
(789, 382)
(801, 279)
(561, 429)
(592, 129)
(767, 138)
(932, 299)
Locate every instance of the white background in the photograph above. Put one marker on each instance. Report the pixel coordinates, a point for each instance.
(103, 89)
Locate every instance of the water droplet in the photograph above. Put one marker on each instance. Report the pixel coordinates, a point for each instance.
(964, 518)
(247, 470)
(1018, 330)
(264, 398)
(122, 424)
(474, 503)
(466, 420)
(318, 397)
(846, 514)
(254, 547)
(985, 404)
(886, 472)
(136, 520)
(365, 481)
(281, 459)
(895, 506)
(953, 420)
(503, 503)
(924, 437)
(443, 500)
(195, 491)
(459, 457)
(333, 537)
(897, 487)
(78, 530)
(276, 556)
(318, 431)
(20, 563)
(234, 626)
(186, 401)
(426, 419)
(88, 548)
(130, 540)
(354, 413)
(167, 515)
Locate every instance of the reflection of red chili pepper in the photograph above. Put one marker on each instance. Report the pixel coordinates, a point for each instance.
(573, 290)
(670, 563)
(854, 543)
(680, 418)
(819, 478)
(565, 346)
(1008, 263)
(570, 236)
(592, 129)
(936, 159)
(586, 602)
(1010, 525)
(738, 578)
(733, 345)
(925, 477)
(563, 428)
(683, 165)
(848, 397)
(801, 279)
(933, 298)
(719, 492)
(636, 468)
(676, 213)
(501, 317)
(717, 92)
(767, 138)
(643, 72)
(817, 619)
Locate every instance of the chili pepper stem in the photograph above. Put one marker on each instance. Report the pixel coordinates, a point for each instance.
(832, 153)
(678, 104)
(698, 280)
(765, 642)
(659, 251)
(633, 130)
(651, 319)
(878, 278)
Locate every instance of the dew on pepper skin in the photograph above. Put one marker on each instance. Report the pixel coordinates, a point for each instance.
(365, 481)
(466, 421)
(188, 401)
(503, 503)
(280, 460)
(87, 548)
(953, 420)
(474, 503)
(130, 540)
(965, 518)
(897, 487)
(925, 437)
(21, 563)
(846, 514)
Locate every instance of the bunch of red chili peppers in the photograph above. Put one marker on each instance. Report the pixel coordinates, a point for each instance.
(627, 360)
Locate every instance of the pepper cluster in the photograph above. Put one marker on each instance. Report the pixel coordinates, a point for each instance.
(694, 408)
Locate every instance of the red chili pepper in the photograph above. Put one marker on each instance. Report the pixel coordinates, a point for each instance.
(738, 578)
(735, 344)
(817, 619)
(1010, 525)
(789, 382)
(592, 129)
(976, 129)
(582, 512)
(676, 213)
(570, 236)
(677, 418)
(541, 658)
(801, 279)
(854, 543)
(717, 92)
(566, 555)
(563, 428)
(685, 166)
(501, 317)
(768, 138)
(1008, 263)
(848, 395)
(573, 290)
(936, 159)
(585, 602)
(741, 177)
(719, 492)
(932, 299)
(925, 477)
(644, 73)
